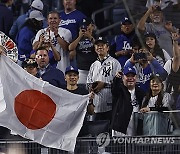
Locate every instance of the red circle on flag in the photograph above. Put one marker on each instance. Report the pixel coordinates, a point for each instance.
(34, 109)
(9, 44)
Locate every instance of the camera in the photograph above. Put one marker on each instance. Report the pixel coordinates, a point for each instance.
(140, 56)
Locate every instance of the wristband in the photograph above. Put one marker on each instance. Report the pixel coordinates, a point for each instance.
(107, 85)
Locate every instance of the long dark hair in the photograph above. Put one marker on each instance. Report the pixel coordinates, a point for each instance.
(158, 103)
(33, 24)
(157, 51)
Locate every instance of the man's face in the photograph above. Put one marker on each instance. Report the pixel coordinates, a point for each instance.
(101, 49)
(129, 80)
(156, 17)
(127, 28)
(71, 78)
(42, 58)
(69, 5)
(53, 20)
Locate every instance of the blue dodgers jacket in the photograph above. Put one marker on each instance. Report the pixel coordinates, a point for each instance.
(144, 74)
(24, 42)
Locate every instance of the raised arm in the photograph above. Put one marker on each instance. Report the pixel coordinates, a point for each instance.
(142, 21)
(74, 44)
(176, 52)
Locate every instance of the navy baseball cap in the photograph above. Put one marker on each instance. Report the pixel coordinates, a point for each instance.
(147, 34)
(129, 70)
(71, 69)
(101, 40)
(126, 20)
(87, 21)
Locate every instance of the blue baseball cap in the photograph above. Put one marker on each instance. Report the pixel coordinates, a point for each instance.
(71, 69)
(129, 70)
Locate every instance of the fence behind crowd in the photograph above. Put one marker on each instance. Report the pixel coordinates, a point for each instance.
(157, 123)
(159, 135)
(112, 145)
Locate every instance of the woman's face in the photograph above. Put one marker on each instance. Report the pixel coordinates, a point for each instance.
(156, 85)
(150, 41)
(90, 28)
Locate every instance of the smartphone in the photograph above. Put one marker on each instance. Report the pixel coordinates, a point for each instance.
(140, 56)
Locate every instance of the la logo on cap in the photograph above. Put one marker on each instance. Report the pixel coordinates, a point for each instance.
(130, 69)
(71, 68)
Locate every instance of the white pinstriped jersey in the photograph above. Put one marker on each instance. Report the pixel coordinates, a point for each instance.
(104, 71)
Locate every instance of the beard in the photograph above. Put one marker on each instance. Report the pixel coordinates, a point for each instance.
(157, 19)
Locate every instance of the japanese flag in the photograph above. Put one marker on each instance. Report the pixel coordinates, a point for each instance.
(37, 110)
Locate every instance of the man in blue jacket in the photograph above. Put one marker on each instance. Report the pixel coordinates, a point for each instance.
(26, 35)
(46, 72)
(17, 25)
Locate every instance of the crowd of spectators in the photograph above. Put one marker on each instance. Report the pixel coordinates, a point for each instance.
(136, 71)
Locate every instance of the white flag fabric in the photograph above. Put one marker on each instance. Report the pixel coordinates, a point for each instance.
(56, 117)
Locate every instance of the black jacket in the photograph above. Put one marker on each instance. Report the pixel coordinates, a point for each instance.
(121, 105)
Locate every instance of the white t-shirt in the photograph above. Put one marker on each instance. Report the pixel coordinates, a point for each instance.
(130, 128)
(64, 34)
(167, 99)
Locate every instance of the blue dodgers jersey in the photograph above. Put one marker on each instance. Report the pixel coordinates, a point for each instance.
(72, 21)
(144, 78)
(123, 43)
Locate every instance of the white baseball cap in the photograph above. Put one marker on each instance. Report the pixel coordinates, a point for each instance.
(37, 4)
(35, 14)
